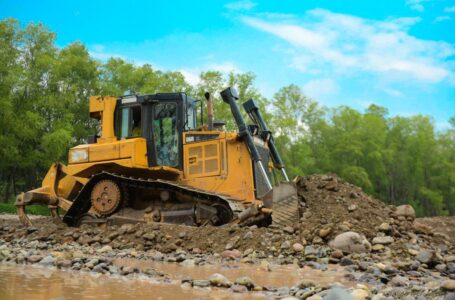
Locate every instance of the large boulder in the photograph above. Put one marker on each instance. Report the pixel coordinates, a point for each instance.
(405, 210)
(351, 242)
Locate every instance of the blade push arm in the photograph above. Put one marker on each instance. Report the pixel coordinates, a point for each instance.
(230, 96)
(253, 111)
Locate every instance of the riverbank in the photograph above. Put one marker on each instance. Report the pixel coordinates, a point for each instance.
(346, 243)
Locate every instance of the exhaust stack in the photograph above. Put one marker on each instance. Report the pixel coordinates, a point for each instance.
(208, 97)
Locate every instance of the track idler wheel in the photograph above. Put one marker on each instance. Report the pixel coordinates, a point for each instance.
(105, 197)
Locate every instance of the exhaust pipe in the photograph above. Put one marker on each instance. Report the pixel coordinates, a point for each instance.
(208, 97)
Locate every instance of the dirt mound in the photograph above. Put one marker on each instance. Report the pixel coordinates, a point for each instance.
(444, 225)
(332, 205)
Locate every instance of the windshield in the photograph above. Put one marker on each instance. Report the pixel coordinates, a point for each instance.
(166, 134)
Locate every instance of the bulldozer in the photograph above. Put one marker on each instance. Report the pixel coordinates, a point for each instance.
(153, 160)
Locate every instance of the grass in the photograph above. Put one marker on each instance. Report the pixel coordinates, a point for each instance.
(39, 210)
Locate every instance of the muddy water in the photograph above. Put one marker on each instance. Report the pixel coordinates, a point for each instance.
(273, 276)
(39, 283)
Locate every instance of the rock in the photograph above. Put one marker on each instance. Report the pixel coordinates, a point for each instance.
(421, 228)
(201, 283)
(384, 227)
(151, 236)
(104, 249)
(34, 258)
(188, 263)
(359, 294)
(47, 261)
(310, 250)
(232, 243)
(425, 256)
(305, 283)
(350, 242)
(286, 245)
(345, 261)
(448, 285)
(378, 247)
(449, 296)
(248, 235)
(399, 281)
(245, 281)
(219, 280)
(31, 229)
(405, 210)
(236, 288)
(352, 207)
(441, 267)
(325, 232)
(337, 254)
(232, 254)
(288, 229)
(297, 247)
(383, 240)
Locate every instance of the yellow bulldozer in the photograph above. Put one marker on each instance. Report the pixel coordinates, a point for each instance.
(152, 162)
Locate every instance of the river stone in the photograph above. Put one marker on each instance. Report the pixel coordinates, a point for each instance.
(245, 281)
(232, 254)
(350, 242)
(383, 240)
(448, 285)
(236, 288)
(219, 280)
(47, 261)
(297, 247)
(104, 249)
(201, 283)
(151, 236)
(384, 227)
(34, 258)
(188, 263)
(323, 232)
(425, 256)
(288, 229)
(359, 294)
(399, 281)
(405, 210)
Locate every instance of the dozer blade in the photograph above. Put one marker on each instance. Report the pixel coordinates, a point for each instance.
(285, 208)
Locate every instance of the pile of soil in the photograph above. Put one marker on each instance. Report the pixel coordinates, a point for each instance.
(337, 206)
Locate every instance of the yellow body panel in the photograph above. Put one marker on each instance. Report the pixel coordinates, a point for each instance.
(233, 174)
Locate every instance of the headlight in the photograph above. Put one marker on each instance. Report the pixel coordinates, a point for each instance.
(78, 155)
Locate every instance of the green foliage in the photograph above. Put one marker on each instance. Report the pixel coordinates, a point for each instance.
(44, 94)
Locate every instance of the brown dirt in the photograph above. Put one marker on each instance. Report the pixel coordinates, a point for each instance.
(330, 206)
(330, 202)
(444, 225)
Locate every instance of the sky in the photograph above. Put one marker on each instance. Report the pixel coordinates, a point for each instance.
(399, 54)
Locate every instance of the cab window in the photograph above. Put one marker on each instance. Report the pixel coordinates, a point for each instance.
(165, 134)
(130, 122)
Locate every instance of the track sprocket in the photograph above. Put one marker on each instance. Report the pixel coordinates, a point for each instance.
(105, 197)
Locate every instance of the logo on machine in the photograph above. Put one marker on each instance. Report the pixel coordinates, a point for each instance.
(192, 159)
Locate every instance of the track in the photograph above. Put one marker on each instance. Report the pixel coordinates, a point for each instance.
(82, 203)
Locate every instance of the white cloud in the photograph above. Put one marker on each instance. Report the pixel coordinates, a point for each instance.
(190, 76)
(441, 19)
(344, 43)
(320, 87)
(449, 9)
(416, 5)
(393, 92)
(241, 5)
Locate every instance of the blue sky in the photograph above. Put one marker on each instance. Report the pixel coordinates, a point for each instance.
(398, 54)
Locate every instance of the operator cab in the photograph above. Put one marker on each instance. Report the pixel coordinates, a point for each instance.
(160, 119)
